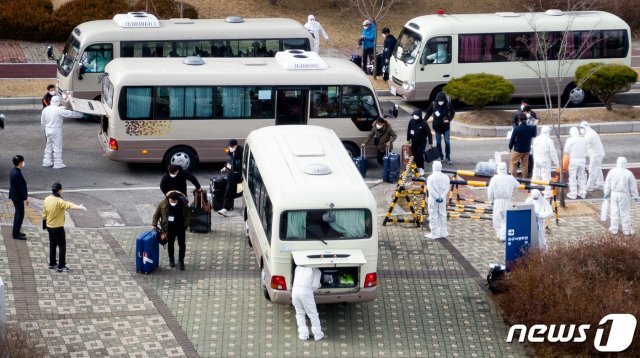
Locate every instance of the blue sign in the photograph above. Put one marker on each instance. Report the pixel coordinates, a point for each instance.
(519, 238)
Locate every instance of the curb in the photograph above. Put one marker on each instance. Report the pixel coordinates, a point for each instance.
(18, 103)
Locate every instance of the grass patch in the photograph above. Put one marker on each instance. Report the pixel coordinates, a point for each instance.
(15, 343)
(575, 283)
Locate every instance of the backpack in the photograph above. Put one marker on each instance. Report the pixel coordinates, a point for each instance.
(494, 278)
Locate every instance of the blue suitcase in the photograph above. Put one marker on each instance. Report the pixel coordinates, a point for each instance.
(391, 167)
(361, 162)
(147, 251)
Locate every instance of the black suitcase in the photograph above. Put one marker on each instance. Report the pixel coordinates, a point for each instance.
(357, 59)
(200, 213)
(217, 187)
(431, 154)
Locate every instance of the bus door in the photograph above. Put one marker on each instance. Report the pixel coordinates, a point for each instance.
(291, 105)
(435, 66)
(93, 60)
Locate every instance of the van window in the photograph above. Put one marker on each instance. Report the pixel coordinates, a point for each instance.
(95, 57)
(409, 43)
(437, 50)
(313, 224)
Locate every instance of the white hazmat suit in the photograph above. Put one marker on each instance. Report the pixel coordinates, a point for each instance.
(544, 154)
(51, 121)
(316, 30)
(595, 150)
(305, 281)
(620, 185)
(576, 148)
(543, 212)
(438, 188)
(500, 191)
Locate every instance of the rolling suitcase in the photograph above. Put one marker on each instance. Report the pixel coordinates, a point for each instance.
(357, 59)
(405, 154)
(200, 213)
(361, 162)
(217, 188)
(390, 167)
(147, 251)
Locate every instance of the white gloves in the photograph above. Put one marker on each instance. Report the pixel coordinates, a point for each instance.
(228, 165)
(82, 207)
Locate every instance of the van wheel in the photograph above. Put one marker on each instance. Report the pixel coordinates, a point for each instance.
(263, 284)
(574, 95)
(352, 149)
(182, 156)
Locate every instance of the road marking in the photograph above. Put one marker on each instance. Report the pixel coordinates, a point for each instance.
(110, 218)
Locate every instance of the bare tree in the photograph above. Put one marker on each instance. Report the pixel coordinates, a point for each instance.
(555, 56)
(374, 11)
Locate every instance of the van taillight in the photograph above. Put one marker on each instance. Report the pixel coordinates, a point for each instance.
(278, 283)
(371, 280)
(113, 144)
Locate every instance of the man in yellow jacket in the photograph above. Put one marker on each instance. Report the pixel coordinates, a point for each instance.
(53, 221)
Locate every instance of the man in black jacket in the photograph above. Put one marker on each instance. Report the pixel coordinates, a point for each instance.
(443, 113)
(388, 46)
(419, 134)
(520, 143)
(19, 195)
(234, 176)
(176, 179)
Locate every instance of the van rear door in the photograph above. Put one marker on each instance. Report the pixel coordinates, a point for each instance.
(91, 107)
(329, 258)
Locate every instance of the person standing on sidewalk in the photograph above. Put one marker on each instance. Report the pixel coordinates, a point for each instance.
(19, 195)
(174, 216)
(366, 42)
(621, 185)
(305, 281)
(53, 220)
(51, 119)
(46, 99)
(595, 150)
(442, 111)
(383, 137)
(315, 28)
(234, 176)
(576, 148)
(544, 154)
(520, 144)
(176, 179)
(419, 133)
(387, 51)
(438, 187)
(499, 193)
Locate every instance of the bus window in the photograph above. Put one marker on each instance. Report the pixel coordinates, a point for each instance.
(95, 57)
(138, 102)
(291, 106)
(183, 102)
(437, 50)
(325, 224)
(325, 102)
(408, 46)
(69, 53)
(358, 103)
(295, 44)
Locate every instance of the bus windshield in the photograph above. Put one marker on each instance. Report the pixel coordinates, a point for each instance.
(69, 54)
(409, 43)
(325, 224)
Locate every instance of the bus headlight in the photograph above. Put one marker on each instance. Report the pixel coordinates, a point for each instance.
(408, 86)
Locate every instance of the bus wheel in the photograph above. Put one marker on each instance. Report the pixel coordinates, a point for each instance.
(574, 95)
(265, 292)
(182, 156)
(352, 149)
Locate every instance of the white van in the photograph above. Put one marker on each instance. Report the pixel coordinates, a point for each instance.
(306, 204)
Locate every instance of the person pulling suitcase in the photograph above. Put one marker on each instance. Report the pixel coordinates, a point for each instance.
(233, 168)
(173, 215)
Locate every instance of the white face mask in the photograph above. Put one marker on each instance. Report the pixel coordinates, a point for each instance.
(528, 115)
(416, 117)
(232, 149)
(173, 204)
(440, 103)
(23, 164)
(521, 108)
(173, 175)
(379, 126)
(53, 93)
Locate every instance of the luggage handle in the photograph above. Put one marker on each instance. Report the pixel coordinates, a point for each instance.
(362, 152)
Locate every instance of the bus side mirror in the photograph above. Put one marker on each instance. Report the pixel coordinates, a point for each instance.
(81, 70)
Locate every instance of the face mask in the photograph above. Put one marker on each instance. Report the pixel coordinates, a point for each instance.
(53, 93)
(416, 117)
(173, 204)
(23, 164)
(440, 103)
(528, 115)
(173, 175)
(521, 108)
(379, 126)
(232, 149)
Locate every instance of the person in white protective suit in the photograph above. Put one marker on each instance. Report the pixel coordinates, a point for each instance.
(438, 188)
(316, 30)
(51, 121)
(595, 150)
(576, 148)
(620, 185)
(305, 281)
(544, 154)
(500, 191)
(543, 212)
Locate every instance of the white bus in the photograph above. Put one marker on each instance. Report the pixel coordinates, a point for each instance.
(307, 204)
(433, 49)
(170, 110)
(93, 44)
